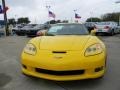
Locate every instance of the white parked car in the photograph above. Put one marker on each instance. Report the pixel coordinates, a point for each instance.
(107, 27)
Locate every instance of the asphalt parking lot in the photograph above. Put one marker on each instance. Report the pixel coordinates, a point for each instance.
(12, 79)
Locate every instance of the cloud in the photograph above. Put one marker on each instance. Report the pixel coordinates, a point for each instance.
(36, 10)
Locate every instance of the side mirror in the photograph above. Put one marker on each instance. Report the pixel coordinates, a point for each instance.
(93, 32)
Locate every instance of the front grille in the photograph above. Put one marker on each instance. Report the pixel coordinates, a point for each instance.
(51, 72)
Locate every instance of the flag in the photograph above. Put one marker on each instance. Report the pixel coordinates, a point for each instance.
(51, 14)
(6, 9)
(1, 10)
(77, 16)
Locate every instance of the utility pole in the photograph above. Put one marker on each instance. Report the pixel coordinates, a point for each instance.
(5, 18)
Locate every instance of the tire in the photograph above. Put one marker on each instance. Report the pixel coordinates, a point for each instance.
(112, 33)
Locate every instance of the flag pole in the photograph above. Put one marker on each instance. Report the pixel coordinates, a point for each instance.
(5, 18)
(74, 16)
(75, 13)
(48, 8)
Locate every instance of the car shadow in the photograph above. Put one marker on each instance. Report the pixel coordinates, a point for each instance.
(90, 83)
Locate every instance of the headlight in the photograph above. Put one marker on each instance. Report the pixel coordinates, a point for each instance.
(30, 49)
(93, 50)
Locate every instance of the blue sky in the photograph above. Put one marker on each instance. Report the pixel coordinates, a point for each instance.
(37, 12)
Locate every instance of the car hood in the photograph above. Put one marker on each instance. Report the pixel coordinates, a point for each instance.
(63, 43)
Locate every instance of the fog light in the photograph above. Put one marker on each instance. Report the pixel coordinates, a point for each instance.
(24, 66)
(98, 69)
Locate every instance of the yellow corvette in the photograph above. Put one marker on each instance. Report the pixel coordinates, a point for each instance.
(66, 52)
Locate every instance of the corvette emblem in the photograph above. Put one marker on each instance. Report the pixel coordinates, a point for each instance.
(58, 57)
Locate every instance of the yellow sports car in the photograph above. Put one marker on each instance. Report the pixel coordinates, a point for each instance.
(66, 52)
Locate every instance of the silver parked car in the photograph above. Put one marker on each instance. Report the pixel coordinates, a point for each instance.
(107, 27)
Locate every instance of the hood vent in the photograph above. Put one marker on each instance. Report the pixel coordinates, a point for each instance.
(63, 52)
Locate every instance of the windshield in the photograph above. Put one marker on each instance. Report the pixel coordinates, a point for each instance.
(70, 29)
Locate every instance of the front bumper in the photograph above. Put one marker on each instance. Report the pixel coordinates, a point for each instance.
(20, 32)
(103, 31)
(59, 70)
(63, 78)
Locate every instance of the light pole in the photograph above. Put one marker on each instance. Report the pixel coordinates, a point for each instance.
(5, 18)
(91, 14)
(117, 2)
(16, 19)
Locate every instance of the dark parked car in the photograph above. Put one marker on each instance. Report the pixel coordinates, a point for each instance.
(90, 25)
(33, 31)
(17, 28)
(22, 31)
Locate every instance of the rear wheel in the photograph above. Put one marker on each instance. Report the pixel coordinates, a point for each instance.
(112, 33)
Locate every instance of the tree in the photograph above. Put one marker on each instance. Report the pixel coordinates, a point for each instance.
(111, 17)
(93, 19)
(65, 21)
(23, 20)
(26, 20)
(58, 21)
(52, 22)
(11, 21)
